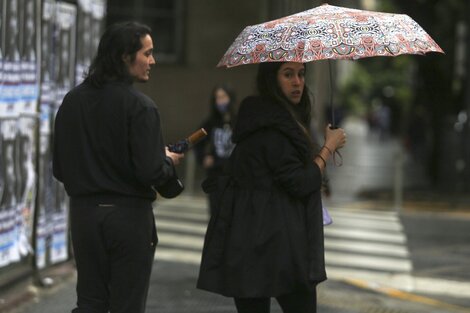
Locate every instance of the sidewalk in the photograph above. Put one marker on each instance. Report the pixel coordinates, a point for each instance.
(424, 200)
(173, 290)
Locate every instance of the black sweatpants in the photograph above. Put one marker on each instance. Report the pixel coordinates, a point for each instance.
(114, 242)
(298, 302)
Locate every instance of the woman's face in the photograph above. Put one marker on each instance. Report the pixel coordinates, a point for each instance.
(221, 97)
(291, 80)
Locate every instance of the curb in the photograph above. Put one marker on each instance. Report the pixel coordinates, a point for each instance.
(403, 295)
(11, 302)
(27, 290)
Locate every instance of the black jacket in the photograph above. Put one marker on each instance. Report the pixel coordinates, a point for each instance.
(218, 143)
(108, 141)
(266, 239)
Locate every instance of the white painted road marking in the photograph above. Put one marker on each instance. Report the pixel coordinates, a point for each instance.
(364, 245)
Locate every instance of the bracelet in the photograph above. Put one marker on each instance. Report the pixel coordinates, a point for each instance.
(329, 150)
(321, 158)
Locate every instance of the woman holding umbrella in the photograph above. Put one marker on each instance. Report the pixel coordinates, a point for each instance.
(266, 237)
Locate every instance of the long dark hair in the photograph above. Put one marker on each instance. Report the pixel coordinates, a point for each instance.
(268, 87)
(121, 39)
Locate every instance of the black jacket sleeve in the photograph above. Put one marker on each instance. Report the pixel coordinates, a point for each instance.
(297, 178)
(152, 167)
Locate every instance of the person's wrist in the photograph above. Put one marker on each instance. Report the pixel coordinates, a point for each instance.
(330, 147)
(322, 159)
(330, 151)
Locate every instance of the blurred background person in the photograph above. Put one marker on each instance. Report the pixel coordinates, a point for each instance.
(213, 152)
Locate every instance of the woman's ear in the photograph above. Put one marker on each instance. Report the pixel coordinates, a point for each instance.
(126, 59)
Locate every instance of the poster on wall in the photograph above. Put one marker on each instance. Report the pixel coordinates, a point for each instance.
(64, 81)
(90, 24)
(46, 103)
(97, 23)
(84, 38)
(2, 181)
(18, 118)
(9, 115)
(2, 19)
(27, 124)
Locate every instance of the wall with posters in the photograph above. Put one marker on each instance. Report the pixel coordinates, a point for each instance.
(18, 112)
(40, 61)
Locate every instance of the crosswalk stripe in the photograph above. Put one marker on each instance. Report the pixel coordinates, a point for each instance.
(365, 235)
(180, 226)
(187, 215)
(181, 241)
(375, 216)
(189, 257)
(369, 262)
(183, 202)
(366, 223)
(335, 258)
(366, 247)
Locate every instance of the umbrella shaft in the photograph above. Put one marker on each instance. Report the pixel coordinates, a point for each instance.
(330, 70)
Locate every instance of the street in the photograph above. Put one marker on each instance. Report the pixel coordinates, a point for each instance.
(379, 258)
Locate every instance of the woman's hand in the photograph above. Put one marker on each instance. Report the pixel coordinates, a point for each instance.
(208, 161)
(334, 138)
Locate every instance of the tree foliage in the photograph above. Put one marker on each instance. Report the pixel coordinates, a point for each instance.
(429, 82)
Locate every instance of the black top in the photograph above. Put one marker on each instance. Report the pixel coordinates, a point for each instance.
(218, 143)
(108, 141)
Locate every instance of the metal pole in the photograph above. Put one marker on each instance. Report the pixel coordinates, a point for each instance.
(467, 100)
(398, 180)
(190, 171)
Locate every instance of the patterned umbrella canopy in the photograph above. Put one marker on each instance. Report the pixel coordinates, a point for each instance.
(329, 32)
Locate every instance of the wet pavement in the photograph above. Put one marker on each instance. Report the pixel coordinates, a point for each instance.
(371, 262)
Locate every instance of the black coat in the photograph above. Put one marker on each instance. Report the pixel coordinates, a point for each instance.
(266, 238)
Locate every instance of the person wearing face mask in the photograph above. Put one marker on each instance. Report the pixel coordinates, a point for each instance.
(213, 152)
(266, 239)
(110, 155)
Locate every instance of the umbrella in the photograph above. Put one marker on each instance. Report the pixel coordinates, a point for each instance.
(329, 32)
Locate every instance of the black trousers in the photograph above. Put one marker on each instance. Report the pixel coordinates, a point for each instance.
(114, 242)
(298, 302)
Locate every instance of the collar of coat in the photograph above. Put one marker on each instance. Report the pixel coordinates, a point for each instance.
(258, 113)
